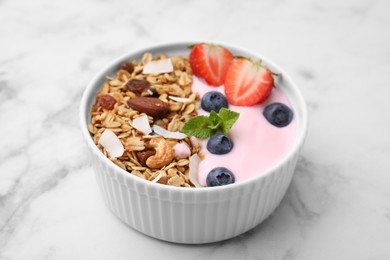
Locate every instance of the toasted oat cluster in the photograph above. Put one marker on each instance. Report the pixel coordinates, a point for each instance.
(132, 94)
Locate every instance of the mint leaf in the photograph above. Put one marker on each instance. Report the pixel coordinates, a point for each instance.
(214, 120)
(228, 118)
(198, 127)
(206, 126)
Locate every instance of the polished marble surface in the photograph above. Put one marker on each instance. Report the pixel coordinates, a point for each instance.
(338, 205)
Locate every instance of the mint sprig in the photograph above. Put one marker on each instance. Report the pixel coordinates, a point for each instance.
(206, 126)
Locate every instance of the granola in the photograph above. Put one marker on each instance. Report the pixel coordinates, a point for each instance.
(148, 156)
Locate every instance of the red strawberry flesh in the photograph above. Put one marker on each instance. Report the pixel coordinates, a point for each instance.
(210, 62)
(247, 83)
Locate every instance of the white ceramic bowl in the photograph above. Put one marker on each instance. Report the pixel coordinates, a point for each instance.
(198, 215)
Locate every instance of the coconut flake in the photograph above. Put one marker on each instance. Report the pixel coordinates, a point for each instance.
(168, 134)
(142, 124)
(180, 99)
(194, 168)
(111, 143)
(158, 177)
(158, 66)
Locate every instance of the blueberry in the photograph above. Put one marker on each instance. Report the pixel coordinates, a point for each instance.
(278, 114)
(219, 176)
(219, 144)
(213, 100)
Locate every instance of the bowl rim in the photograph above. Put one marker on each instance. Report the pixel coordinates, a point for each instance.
(84, 111)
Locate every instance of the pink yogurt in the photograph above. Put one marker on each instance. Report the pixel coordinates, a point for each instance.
(258, 145)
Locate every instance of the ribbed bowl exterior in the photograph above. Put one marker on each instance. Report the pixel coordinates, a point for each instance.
(192, 215)
(192, 218)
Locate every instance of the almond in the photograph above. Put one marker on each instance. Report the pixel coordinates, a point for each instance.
(149, 105)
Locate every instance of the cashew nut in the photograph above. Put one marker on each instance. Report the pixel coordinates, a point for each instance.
(164, 153)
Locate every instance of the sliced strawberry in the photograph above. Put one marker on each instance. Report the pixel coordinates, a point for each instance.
(210, 62)
(247, 83)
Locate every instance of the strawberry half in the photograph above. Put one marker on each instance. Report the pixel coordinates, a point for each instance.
(247, 83)
(210, 62)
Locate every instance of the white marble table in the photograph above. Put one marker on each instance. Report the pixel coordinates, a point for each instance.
(338, 206)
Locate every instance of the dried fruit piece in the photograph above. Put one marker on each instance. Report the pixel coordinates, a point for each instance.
(137, 85)
(106, 101)
(149, 105)
(129, 67)
(142, 156)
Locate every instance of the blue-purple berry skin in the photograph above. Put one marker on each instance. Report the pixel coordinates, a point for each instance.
(278, 114)
(213, 100)
(219, 176)
(219, 144)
